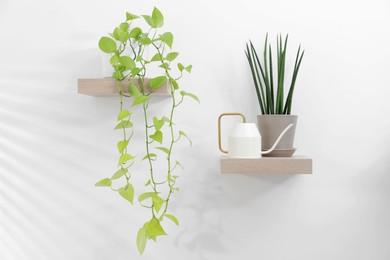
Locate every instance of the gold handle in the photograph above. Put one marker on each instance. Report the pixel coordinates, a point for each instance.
(219, 127)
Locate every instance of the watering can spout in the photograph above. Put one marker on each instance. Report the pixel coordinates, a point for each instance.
(278, 140)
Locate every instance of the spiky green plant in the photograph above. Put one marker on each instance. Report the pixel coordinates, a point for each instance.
(272, 102)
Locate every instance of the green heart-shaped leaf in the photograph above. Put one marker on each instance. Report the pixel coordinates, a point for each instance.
(158, 124)
(142, 238)
(167, 38)
(157, 82)
(183, 93)
(157, 18)
(172, 55)
(127, 193)
(165, 150)
(157, 136)
(105, 182)
(125, 158)
(119, 173)
(140, 99)
(122, 145)
(123, 114)
(157, 203)
(173, 218)
(107, 45)
(155, 228)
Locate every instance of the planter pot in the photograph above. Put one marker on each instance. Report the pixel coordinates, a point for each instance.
(270, 127)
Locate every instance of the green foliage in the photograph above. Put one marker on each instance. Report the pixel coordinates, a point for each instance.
(172, 217)
(172, 55)
(167, 38)
(119, 173)
(157, 82)
(104, 182)
(127, 44)
(107, 45)
(127, 193)
(193, 96)
(271, 94)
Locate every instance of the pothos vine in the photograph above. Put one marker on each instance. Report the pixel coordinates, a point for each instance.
(127, 45)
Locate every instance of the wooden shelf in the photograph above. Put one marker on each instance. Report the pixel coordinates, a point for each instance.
(295, 164)
(107, 87)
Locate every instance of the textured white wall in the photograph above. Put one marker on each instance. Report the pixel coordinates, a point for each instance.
(55, 144)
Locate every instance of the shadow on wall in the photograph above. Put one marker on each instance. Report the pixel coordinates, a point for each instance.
(211, 200)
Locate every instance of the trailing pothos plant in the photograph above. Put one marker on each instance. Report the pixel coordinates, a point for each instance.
(128, 45)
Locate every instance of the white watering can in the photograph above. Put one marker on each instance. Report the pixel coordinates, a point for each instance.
(245, 139)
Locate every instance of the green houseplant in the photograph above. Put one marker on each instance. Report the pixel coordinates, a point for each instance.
(275, 103)
(127, 45)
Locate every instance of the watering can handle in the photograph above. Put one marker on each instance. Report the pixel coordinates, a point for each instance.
(278, 140)
(219, 127)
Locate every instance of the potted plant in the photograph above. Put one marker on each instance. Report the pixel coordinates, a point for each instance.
(127, 46)
(275, 103)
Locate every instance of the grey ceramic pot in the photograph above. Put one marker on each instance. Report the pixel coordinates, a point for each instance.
(270, 127)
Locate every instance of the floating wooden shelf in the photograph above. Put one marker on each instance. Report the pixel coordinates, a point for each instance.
(107, 87)
(293, 165)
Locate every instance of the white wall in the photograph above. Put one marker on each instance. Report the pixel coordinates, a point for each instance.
(55, 144)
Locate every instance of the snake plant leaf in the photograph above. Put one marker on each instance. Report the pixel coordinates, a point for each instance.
(124, 124)
(127, 193)
(157, 136)
(107, 45)
(172, 55)
(125, 158)
(157, 18)
(106, 182)
(142, 239)
(193, 96)
(130, 16)
(124, 114)
(172, 218)
(186, 136)
(155, 228)
(119, 173)
(167, 38)
(127, 62)
(157, 203)
(140, 99)
(157, 82)
(165, 150)
(158, 124)
(122, 145)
